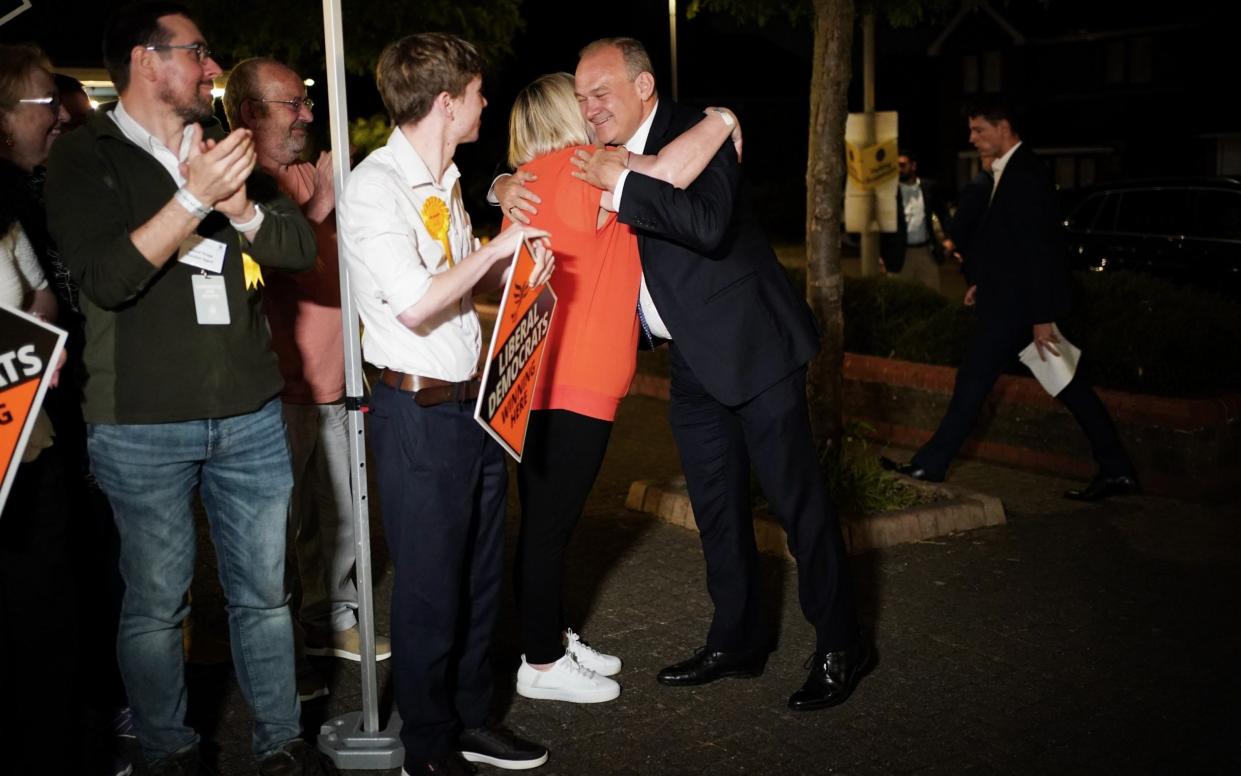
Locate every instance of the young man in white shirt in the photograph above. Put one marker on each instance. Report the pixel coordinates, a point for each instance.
(414, 265)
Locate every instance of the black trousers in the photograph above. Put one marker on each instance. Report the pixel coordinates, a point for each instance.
(717, 445)
(563, 453)
(40, 668)
(995, 345)
(442, 484)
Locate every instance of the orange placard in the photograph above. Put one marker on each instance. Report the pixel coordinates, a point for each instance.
(512, 368)
(29, 351)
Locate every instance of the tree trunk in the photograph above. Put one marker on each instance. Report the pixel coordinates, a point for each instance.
(825, 187)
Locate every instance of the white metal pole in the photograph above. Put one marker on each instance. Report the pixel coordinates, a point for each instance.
(354, 741)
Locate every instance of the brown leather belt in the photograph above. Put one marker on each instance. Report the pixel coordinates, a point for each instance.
(428, 391)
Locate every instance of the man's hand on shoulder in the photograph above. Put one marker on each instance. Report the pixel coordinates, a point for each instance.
(516, 201)
(602, 168)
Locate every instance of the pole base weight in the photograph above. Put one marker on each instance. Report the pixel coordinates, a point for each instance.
(352, 749)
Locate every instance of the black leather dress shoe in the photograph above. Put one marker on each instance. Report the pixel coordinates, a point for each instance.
(708, 664)
(833, 677)
(910, 470)
(1102, 487)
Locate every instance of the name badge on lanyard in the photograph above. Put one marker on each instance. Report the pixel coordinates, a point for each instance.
(210, 300)
(202, 253)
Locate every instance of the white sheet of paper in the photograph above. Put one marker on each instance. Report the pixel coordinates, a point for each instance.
(202, 252)
(211, 300)
(1057, 371)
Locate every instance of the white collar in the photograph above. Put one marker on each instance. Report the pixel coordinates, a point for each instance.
(997, 167)
(413, 168)
(637, 143)
(140, 137)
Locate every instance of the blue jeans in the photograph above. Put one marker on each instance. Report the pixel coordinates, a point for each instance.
(241, 467)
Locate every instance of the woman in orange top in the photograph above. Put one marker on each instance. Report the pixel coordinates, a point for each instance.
(588, 363)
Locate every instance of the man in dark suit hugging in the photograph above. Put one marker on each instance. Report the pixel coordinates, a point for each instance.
(740, 338)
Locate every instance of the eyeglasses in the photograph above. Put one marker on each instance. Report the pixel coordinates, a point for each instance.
(52, 102)
(200, 49)
(305, 102)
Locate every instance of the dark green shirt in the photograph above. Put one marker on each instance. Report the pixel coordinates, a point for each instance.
(147, 358)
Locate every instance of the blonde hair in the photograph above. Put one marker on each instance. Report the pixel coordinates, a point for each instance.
(545, 118)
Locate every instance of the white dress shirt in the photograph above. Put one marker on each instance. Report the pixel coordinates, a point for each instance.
(997, 167)
(637, 145)
(915, 213)
(391, 257)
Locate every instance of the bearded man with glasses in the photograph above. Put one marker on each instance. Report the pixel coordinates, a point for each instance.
(162, 223)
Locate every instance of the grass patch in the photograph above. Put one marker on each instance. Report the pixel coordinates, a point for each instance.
(857, 483)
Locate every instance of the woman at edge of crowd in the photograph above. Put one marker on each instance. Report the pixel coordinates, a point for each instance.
(76, 540)
(588, 363)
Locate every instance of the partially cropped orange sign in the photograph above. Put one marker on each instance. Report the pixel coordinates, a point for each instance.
(512, 368)
(29, 351)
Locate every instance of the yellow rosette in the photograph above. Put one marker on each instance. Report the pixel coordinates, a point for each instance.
(253, 272)
(435, 218)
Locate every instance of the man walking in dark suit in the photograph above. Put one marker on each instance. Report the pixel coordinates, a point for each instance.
(912, 252)
(740, 338)
(1020, 286)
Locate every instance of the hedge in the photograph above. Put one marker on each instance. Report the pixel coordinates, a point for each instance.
(1138, 333)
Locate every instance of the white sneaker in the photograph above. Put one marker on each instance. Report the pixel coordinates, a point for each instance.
(589, 657)
(566, 680)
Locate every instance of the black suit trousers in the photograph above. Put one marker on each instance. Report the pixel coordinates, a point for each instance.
(717, 445)
(996, 342)
(442, 483)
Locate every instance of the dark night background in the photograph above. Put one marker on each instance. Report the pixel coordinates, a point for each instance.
(1115, 89)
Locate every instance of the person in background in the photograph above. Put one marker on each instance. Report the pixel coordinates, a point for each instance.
(913, 252)
(1020, 285)
(303, 308)
(32, 118)
(75, 101)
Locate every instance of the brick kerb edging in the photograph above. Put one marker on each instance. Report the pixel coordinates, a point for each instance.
(1132, 408)
(1129, 408)
(962, 510)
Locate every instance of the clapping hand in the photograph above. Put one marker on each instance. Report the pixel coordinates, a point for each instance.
(216, 172)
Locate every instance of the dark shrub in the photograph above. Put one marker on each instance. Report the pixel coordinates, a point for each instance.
(1138, 333)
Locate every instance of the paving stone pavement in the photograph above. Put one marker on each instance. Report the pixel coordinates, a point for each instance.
(1077, 639)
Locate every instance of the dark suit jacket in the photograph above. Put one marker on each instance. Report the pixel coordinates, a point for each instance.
(971, 206)
(892, 245)
(728, 303)
(1018, 248)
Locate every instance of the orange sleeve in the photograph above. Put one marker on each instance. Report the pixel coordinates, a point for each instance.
(567, 202)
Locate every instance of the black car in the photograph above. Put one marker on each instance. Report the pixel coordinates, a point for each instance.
(1187, 230)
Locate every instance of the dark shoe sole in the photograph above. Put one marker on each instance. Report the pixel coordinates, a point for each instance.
(871, 661)
(735, 673)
